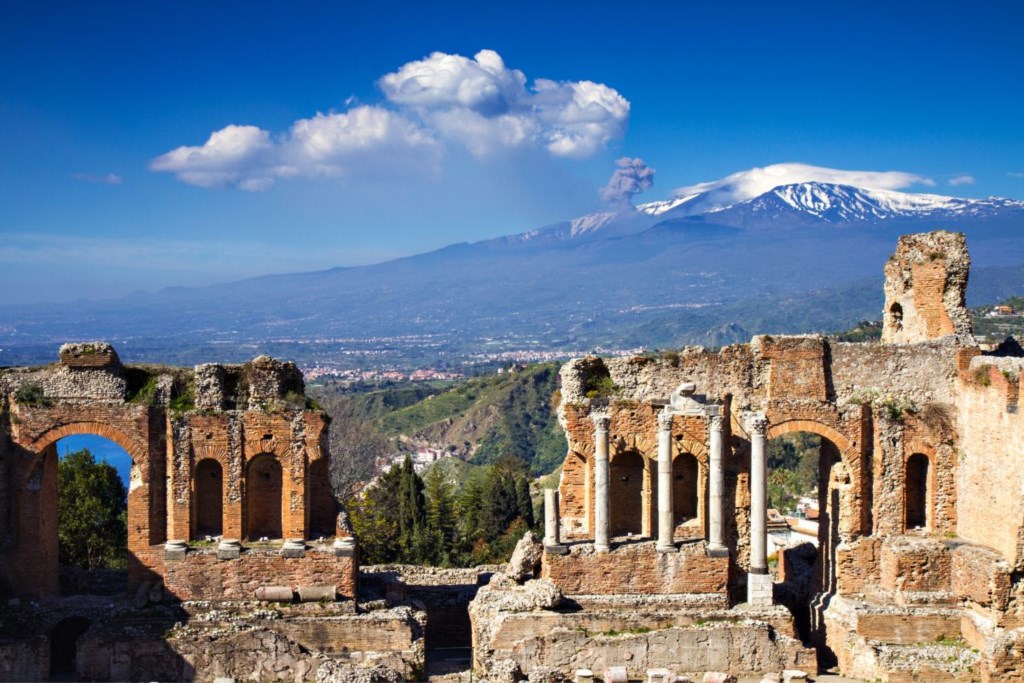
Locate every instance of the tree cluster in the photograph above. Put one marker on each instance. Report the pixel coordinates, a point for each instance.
(92, 519)
(405, 518)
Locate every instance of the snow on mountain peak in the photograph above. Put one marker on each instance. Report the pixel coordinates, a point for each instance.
(842, 203)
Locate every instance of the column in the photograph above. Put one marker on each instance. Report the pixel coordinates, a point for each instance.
(716, 488)
(601, 507)
(759, 582)
(552, 536)
(666, 514)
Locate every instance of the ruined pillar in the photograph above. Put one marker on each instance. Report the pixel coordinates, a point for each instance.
(759, 581)
(716, 488)
(552, 536)
(666, 514)
(601, 502)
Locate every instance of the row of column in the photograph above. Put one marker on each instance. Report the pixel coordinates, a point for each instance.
(759, 581)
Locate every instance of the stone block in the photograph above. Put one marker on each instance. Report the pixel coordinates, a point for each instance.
(759, 590)
(794, 676)
(175, 550)
(344, 547)
(229, 549)
(294, 547)
(316, 593)
(659, 676)
(584, 676)
(616, 674)
(718, 677)
(274, 593)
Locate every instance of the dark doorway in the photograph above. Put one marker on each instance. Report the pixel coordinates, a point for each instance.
(209, 501)
(917, 492)
(64, 648)
(625, 493)
(264, 490)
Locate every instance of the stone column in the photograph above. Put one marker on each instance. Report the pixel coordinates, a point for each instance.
(759, 582)
(666, 513)
(601, 503)
(552, 536)
(716, 488)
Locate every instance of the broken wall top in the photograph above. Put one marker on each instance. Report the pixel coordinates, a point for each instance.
(925, 289)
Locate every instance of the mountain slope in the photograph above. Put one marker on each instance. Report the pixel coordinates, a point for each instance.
(655, 275)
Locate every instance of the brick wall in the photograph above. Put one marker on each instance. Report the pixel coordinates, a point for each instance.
(201, 576)
(638, 568)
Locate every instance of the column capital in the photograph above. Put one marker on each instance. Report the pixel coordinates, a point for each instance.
(757, 423)
(601, 421)
(665, 419)
(716, 423)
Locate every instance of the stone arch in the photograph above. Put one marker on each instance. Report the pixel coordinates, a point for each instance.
(264, 491)
(844, 444)
(208, 498)
(134, 447)
(37, 500)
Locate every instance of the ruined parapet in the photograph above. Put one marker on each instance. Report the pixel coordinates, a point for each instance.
(210, 387)
(89, 355)
(271, 382)
(925, 286)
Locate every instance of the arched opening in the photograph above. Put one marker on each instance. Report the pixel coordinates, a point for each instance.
(685, 488)
(322, 506)
(264, 494)
(90, 529)
(208, 499)
(64, 648)
(626, 476)
(804, 479)
(916, 495)
(896, 317)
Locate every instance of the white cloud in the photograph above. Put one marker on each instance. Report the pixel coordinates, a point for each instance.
(327, 144)
(485, 106)
(962, 180)
(748, 184)
(106, 179)
(477, 103)
(1015, 174)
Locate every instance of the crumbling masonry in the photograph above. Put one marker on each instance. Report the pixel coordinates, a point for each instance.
(655, 554)
(657, 532)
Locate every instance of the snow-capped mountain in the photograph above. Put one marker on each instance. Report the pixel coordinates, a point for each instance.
(841, 204)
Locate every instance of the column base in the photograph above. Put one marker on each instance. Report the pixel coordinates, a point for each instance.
(667, 549)
(759, 590)
(717, 551)
(602, 547)
(556, 549)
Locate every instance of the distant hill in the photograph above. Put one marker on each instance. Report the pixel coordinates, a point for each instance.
(478, 420)
(696, 269)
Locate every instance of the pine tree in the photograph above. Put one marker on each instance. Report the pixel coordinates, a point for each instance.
(523, 501)
(440, 517)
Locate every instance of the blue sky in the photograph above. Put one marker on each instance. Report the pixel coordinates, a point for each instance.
(333, 152)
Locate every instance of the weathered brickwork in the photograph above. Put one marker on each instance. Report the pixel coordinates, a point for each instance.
(639, 569)
(241, 467)
(920, 476)
(200, 575)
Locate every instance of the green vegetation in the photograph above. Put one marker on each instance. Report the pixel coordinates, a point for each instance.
(792, 469)
(31, 394)
(141, 385)
(402, 518)
(93, 513)
(481, 419)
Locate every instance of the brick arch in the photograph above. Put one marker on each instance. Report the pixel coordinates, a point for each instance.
(691, 445)
(130, 444)
(813, 426)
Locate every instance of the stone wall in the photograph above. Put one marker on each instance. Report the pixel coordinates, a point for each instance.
(200, 575)
(638, 568)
